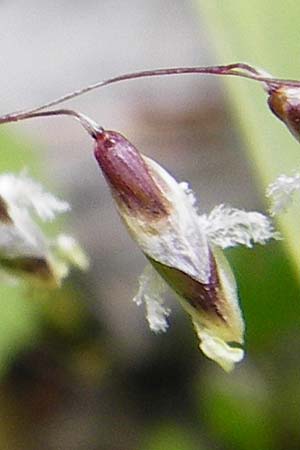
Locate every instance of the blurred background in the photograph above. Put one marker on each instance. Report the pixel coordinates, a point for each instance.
(79, 368)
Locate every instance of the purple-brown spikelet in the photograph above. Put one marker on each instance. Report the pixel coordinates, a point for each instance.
(284, 102)
(161, 217)
(128, 176)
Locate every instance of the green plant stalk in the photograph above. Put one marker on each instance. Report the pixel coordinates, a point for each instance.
(263, 33)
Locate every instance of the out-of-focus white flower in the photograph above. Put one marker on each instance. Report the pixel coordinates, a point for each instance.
(281, 192)
(25, 251)
(183, 247)
(69, 250)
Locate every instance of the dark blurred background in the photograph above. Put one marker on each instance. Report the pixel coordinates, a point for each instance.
(79, 368)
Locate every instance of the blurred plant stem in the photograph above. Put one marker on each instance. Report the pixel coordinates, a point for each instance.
(263, 33)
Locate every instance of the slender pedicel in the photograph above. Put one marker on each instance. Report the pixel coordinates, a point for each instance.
(236, 69)
(89, 125)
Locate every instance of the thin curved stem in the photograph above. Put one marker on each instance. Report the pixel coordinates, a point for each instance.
(89, 125)
(241, 70)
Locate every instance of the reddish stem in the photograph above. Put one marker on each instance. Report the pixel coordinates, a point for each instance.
(241, 70)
